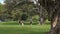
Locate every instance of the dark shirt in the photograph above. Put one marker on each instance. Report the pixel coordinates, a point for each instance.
(24, 17)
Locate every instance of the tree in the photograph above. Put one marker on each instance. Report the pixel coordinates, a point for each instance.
(13, 5)
(56, 19)
(2, 15)
(51, 6)
(54, 6)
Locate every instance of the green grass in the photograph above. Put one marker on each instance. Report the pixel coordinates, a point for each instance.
(12, 27)
(27, 29)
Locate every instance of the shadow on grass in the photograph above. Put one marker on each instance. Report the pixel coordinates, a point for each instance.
(38, 33)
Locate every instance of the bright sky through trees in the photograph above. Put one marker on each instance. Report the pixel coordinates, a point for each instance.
(2, 1)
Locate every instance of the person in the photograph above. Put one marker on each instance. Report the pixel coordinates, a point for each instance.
(23, 18)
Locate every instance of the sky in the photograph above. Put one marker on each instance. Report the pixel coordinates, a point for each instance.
(2, 1)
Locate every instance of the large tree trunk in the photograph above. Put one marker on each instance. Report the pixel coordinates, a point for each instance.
(55, 25)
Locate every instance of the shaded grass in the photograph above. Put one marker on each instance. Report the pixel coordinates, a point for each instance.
(9, 23)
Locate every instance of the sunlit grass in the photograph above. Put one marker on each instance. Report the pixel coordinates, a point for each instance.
(13, 27)
(27, 29)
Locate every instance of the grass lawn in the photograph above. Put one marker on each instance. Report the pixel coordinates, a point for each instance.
(14, 28)
(27, 29)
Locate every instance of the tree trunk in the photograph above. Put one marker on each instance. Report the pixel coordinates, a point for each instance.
(41, 19)
(54, 22)
(55, 25)
(31, 20)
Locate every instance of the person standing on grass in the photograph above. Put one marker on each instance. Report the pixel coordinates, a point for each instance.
(23, 18)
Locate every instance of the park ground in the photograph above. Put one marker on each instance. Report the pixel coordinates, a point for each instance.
(15, 28)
